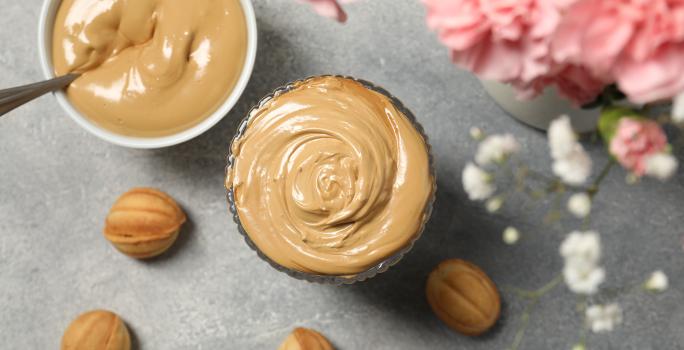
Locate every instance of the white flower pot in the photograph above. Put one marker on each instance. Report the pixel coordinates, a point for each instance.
(540, 111)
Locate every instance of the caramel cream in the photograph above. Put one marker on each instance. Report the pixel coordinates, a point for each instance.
(150, 67)
(330, 178)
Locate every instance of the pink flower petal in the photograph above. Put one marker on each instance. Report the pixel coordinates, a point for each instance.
(329, 8)
(495, 61)
(637, 43)
(505, 40)
(635, 140)
(660, 77)
(603, 41)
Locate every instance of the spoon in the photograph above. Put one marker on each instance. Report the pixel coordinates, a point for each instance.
(14, 97)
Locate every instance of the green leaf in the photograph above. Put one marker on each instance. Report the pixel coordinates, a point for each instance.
(608, 96)
(608, 122)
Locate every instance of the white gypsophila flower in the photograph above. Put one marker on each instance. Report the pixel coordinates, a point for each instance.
(603, 318)
(678, 108)
(562, 138)
(632, 179)
(494, 204)
(579, 205)
(570, 162)
(495, 149)
(476, 133)
(661, 166)
(583, 277)
(575, 167)
(585, 246)
(511, 235)
(582, 251)
(477, 182)
(657, 282)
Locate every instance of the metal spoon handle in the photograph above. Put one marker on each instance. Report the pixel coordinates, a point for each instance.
(14, 97)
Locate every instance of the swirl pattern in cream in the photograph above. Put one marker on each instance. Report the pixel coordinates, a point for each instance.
(330, 178)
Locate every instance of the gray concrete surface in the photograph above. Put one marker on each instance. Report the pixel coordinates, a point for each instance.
(212, 292)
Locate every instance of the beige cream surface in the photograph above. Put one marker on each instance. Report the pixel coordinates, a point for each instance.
(150, 67)
(330, 178)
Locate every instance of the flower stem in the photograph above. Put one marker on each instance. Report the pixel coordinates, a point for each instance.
(581, 308)
(549, 286)
(594, 188)
(524, 322)
(556, 212)
(539, 292)
(612, 293)
(533, 297)
(586, 222)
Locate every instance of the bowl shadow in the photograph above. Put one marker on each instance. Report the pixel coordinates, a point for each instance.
(205, 155)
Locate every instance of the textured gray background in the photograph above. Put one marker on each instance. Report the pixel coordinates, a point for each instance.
(212, 292)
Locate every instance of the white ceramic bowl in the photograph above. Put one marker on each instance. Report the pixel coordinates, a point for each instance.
(540, 111)
(45, 27)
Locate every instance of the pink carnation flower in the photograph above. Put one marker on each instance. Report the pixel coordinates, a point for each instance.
(503, 40)
(329, 8)
(578, 85)
(573, 82)
(635, 141)
(637, 43)
(510, 41)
